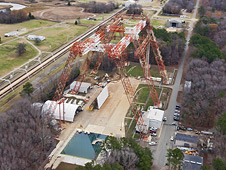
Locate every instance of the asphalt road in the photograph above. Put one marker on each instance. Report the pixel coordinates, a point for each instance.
(168, 130)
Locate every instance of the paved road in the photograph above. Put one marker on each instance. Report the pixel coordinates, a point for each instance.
(168, 130)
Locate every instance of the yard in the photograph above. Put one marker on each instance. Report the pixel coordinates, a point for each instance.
(10, 59)
(157, 23)
(58, 36)
(135, 70)
(29, 26)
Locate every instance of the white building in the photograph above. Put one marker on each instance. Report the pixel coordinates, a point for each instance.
(153, 117)
(70, 110)
(128, 3)
(102, 97)
(83, 88)
(11, 34)
(34, 37)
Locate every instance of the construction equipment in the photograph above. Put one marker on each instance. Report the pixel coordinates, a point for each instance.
(142, 37)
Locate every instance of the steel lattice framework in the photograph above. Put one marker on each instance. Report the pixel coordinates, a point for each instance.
(142, 37)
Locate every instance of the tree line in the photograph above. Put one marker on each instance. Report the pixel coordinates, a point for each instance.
(98, 7)
(15, 16)
(175, 6)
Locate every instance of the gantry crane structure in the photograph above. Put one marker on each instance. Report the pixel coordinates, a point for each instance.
(142, 37)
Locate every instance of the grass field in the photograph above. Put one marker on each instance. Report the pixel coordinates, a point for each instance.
(57, 36)
(9, 58)
(157, 23)
(29, 25)
(138, 71)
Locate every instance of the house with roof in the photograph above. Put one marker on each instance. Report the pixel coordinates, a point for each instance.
(34, 37)
(192, 162)
(175, 22)
(11, 34)
(186, 140)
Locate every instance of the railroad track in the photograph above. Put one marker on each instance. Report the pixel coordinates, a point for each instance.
(52, 58)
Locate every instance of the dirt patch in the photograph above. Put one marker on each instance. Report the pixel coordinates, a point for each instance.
(62, 13)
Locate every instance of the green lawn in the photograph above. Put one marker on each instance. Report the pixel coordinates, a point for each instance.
(57, 36)
(138, 71)
(9, 58)
(144, 93)
(30, 26)
(156, 22)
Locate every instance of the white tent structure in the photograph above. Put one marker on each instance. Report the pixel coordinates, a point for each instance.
(70, 110)
(83, 88)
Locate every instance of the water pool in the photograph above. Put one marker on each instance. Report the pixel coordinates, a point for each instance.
(84, 145)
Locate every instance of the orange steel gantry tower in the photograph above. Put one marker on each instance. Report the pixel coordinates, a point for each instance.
(142, 37)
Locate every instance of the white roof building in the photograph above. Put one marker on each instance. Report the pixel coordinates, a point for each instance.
(34, 37)
(70, 110)
(153, 117)
(11, 34)
(83, 88)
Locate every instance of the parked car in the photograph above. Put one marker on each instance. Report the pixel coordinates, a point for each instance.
(176, 114)
(176, 118)
(174, 123)
(153, 143)
(177, 111)
(189, 129)
(177, 107)
(171, 138)
(164, 119)
(154, 134)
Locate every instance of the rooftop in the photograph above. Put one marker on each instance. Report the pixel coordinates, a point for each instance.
(192, 162)
(186, 138)
(154, 114)
(175, 20)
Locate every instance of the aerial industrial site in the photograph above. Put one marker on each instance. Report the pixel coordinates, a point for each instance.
(112, 84)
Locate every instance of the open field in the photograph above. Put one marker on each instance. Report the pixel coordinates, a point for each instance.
(135, 70)
(31, 25)
(155, 22)
(10, 59)
(57, 36)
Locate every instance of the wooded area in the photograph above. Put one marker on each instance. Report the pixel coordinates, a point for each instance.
(175, 6)
(11, 17)
(206, 98)
(25, 137)
(98, 7)
(171, 46)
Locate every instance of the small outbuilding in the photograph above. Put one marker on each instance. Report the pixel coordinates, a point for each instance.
(192, 162)
(35, 37)
(70, 110)
(186, 140)
(175, 22)
(83, 88)
(11, 34)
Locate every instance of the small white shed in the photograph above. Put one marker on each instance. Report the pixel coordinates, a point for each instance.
(11, 34)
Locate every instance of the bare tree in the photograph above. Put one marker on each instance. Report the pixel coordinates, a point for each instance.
(21, 48)
(25, 139)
